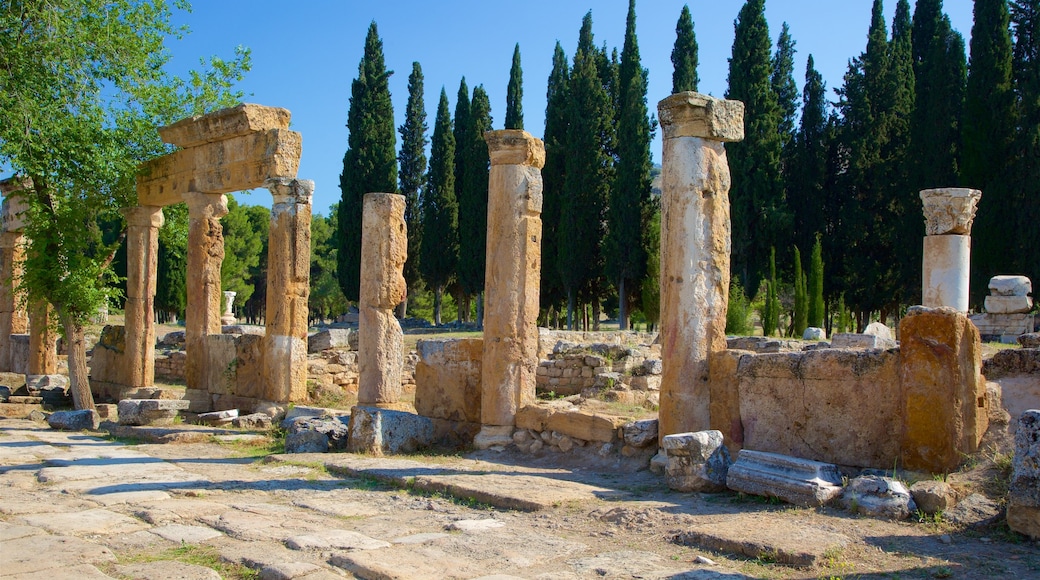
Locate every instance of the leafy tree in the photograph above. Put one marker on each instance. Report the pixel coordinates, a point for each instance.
(171, 273)
(474, 199)
(326, 299)
(684, 54)
(738, 311)
(555, 136)
(440, 246)
(989, 126)
(370, 163)
(412, 159)
(625, 255)
(1025, 20)
(757, 205)
(587, 172)
(242, 248)
(515, 94)
(83, 87)
(255, 307)
(816, 309)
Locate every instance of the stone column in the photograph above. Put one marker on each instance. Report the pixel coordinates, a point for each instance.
(288, 287)
(514, 242)
(205, 255)
(948, 213)
(142, 256)
(695, 251)
(384, 248)
(43, 340)
(229, 308)
(13, 319)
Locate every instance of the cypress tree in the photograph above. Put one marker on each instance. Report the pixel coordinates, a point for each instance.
(1025, 21)
(899, 184)
(625, 256)
(815, 286)
(440, 245)
(684, 54)
(586, 172)
(556, 121)
(651, 288)
(771, 307)
(460, 130)
(800, 320)
(989, 126)
(515, 93)
(808, 171)
(786, 90)
(412, 159)
(757, 204)
(474, 198)
(370, 163)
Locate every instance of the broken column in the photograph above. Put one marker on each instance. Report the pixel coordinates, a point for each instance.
(205, 255)
(229, 308)
(142, 256)
(695, 251)
(948, 213)
(288, 288)
(384, 248)
(514, 240)
(13, 318)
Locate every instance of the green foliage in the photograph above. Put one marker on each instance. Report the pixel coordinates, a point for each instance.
(684, 54)
(555, 138)
(770, 313)
(244, 243)
(738, 311)
(816, 309)
(370, 163)
(843, 320)
(801, 298)
(326, 300)
(782, 80)
(1025, 170)
(515, 93)
(759, 212)
(625, 254)
(651, 287)
(473, 197)
(440, 248)
(412, 159)
(171, 275)
(806, 176)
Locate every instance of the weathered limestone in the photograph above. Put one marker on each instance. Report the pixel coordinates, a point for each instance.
(943, 389)
(1023, 509)
(514, 238)
(797, 481)
(385, 431)
(74, 420)
(43, 340)
(13, 316)
(288, 287)
(447, 379)
(695, 251)
(142, 256)
(229, 308)
(384, 249)
(150, 411)
(878, 497)
(1008, 309)
(205, 255)
(949, 213)
(697, 462)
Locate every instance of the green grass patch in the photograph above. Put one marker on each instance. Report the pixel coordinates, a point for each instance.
(205, 556)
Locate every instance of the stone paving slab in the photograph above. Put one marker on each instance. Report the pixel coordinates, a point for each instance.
(181, 534)
(46, 552)
(167, 570)
(10, 532)
(751, 536)
(93, 521)
(128, 497)
(80, 572)
(492, 484)
(334, 539)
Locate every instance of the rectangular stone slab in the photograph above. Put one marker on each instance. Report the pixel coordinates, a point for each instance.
(224, 124)
(754, 535)
(794, 480)
(235, 164)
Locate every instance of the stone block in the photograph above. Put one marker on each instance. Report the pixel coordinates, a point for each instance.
(217, 417)
(1023, 507)
(881, 331)
(944, 394)
(384, 249)
(814, 333)
(1008, 304)
(1029, 340)
(640, 433)
(41, 382)
(333, 338)
(497, 436)
(107, 412)
(878, 497)
(790, 479)
(150, 411)
(1010, 286)
(380, 357)
(447, 379)
(697, 462)
(533, 417)
(249, 374)
(335, 429)
(224, 124)
(306, 442)
(220, 369)
(74, 420)
(802, 404)
(584, 425)
(933, 496)
(692, 114)
(252, 421)
(645, 383)
(853, 340)
(515, 147)
(653, 366)
(383, 431)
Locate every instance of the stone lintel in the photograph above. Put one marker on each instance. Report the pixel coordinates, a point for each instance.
(692, 114)
(224, 124)
(148, 216)
(14, 185)
(236, 164)
(515, 147)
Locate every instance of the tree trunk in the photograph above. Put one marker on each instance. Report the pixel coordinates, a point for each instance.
(595, 314)
(622, 305)
(480, 310)
(437, 292)
(570, 310)
(79, 381)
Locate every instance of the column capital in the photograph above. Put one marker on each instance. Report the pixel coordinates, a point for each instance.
(148, 216)
(692, 114)
(949, 210)
(206, 205)
(285, 189)
(515, 147)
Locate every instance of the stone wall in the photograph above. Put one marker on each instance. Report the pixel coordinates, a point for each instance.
(548, 339)
(169, 365)
(569, 371)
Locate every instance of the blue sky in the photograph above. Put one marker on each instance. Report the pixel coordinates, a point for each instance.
(306, 53)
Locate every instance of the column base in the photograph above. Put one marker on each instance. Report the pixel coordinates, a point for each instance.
(494, 436)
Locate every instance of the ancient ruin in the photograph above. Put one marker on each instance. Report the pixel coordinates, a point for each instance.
(1008, 308)
(949, 213)
(695, 251)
